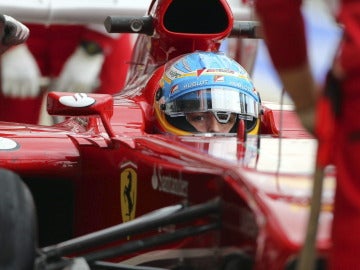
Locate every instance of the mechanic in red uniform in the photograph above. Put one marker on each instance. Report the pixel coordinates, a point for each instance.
(284, 34)
(74, 58)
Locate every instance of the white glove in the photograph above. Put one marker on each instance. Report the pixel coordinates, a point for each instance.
(12, 32)
(80, 72)
(20, 73)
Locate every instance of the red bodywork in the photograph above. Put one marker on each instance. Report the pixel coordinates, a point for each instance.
(106, 165)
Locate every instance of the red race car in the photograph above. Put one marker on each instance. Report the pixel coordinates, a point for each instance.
(126, 183)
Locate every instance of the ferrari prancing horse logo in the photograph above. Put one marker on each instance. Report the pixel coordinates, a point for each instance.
(128, 192)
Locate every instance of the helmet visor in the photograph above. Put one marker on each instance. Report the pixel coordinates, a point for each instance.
(222, 100)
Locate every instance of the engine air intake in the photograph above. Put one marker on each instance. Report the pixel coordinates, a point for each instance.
(196, 16)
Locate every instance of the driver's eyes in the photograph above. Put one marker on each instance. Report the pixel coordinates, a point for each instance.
(195, 118)
(223, 116)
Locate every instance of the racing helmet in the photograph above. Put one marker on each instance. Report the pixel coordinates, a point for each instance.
(206, 82)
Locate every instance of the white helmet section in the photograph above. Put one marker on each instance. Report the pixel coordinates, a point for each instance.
(85, 11)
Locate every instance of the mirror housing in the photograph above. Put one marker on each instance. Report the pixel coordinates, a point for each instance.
(81, 104)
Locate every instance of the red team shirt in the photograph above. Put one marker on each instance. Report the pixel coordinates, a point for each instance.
(285, 37)
(52, 46)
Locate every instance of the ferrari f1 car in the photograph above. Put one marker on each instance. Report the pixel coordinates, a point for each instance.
(106, 188)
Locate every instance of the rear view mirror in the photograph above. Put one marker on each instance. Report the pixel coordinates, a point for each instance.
(81, 104)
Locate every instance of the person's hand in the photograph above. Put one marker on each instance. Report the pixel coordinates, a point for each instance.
(81, 72)
(12, 32)
(307, 118)
(20, 74)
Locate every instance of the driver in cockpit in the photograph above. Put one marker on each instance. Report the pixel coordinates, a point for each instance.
(206, 92)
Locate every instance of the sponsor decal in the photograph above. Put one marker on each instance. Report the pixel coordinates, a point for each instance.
(200, 71)
(245, 86)
(128, 191)
(8, 144)
(79, 100)
(219, 78)
(174, 89)
(168, 183)
(195, 84)
(174, 73)
(221, 70)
